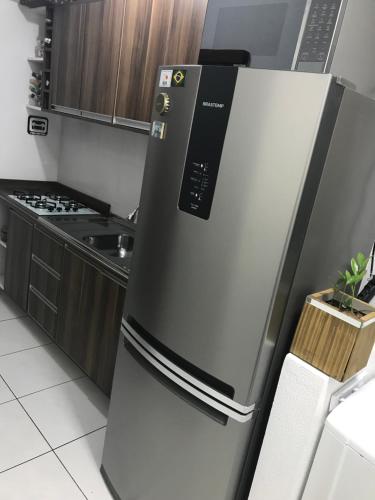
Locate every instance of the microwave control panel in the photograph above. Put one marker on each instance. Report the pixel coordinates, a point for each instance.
(318, 35)
(206, 142)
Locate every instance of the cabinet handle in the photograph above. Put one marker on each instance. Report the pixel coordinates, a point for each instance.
(46, 267)
(127, 122)
(97, 116)
(43, 299)
(67, 111)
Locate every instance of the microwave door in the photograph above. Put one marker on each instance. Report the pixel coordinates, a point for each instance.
(269, 30)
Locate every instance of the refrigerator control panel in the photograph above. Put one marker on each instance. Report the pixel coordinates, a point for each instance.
(207, 137)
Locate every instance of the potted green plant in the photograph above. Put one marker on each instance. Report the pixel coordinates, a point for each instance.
(336, 330)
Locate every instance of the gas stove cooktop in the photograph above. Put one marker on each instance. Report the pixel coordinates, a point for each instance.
(51, 204)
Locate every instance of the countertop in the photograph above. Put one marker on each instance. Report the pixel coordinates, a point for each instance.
(75, 229)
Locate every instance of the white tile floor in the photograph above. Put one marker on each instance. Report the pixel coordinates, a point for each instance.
(52, 418)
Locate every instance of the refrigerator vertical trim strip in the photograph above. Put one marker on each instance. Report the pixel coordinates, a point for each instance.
(184, 384)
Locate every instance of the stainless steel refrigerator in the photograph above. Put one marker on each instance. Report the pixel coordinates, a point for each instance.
(257, 188)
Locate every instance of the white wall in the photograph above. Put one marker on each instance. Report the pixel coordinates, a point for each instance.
(104, 162)
(22, 156)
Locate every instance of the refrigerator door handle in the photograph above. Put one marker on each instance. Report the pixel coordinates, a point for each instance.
(146, 352)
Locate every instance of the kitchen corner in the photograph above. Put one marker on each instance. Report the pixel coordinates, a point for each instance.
(67, 266)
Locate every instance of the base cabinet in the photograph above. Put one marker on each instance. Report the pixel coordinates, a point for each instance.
(17, 267)
(91, 306)
(75, 302)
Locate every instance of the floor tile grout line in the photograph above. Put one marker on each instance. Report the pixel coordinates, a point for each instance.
(26, 461)
(42, 455)
(40, 432)
(25, 349)
(5, 382)
(40, 390)
(16, 317)
(70, 475)
(19, 402)
(52, 450)
(80, 437)
(9, 401)
(49, 444)
(50, 387)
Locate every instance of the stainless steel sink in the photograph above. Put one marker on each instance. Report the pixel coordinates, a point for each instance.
(114, 245)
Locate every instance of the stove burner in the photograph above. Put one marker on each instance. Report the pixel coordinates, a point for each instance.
(54, 203)
(46, 205)
(18, 193)
(72, 205)
(27, 196)
(58, 197)
(31, 198)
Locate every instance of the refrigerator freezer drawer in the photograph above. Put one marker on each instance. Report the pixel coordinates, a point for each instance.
(185, 381)
(160, 447)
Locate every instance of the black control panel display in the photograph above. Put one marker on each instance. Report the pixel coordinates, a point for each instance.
(319, 31)
(210, 123)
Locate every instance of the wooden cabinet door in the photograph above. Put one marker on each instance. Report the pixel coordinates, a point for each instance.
(17, 265)
(101, 312)
(69, 335)
(90, 315)
(156, 32)
(67, 52)
(101, 52)
(137, 18)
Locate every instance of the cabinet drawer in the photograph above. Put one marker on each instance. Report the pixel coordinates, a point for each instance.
(42, 313)
(44, 282)
(48, 250)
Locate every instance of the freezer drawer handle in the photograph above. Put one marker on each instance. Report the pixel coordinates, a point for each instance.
(196, 373)
(182, 368)
(184, 384)
(196, 403)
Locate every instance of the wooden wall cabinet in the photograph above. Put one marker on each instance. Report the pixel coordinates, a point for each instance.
(17, 267)
(67, 56)
(101, 52)
(156, 33)
(90, 318)
(106, 54)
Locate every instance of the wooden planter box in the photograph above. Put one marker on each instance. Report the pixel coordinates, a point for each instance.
(333, 341)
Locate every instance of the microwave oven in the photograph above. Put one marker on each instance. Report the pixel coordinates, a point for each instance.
(317, 36)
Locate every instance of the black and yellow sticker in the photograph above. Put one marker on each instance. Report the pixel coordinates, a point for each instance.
(178, 78)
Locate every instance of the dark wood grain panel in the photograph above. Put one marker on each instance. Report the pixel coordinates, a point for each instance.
(134, 47)
(67, 53)
(101, 52)
(49, 250)
(90, 318)
(172, 32)
(101, 310)
(42, 314)
(45, 283)
(18, 256)
(69, 336)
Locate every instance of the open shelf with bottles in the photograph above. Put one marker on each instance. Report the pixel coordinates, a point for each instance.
(39, 98)
(46, 75)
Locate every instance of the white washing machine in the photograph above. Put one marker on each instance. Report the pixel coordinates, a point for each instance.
(344, 464)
